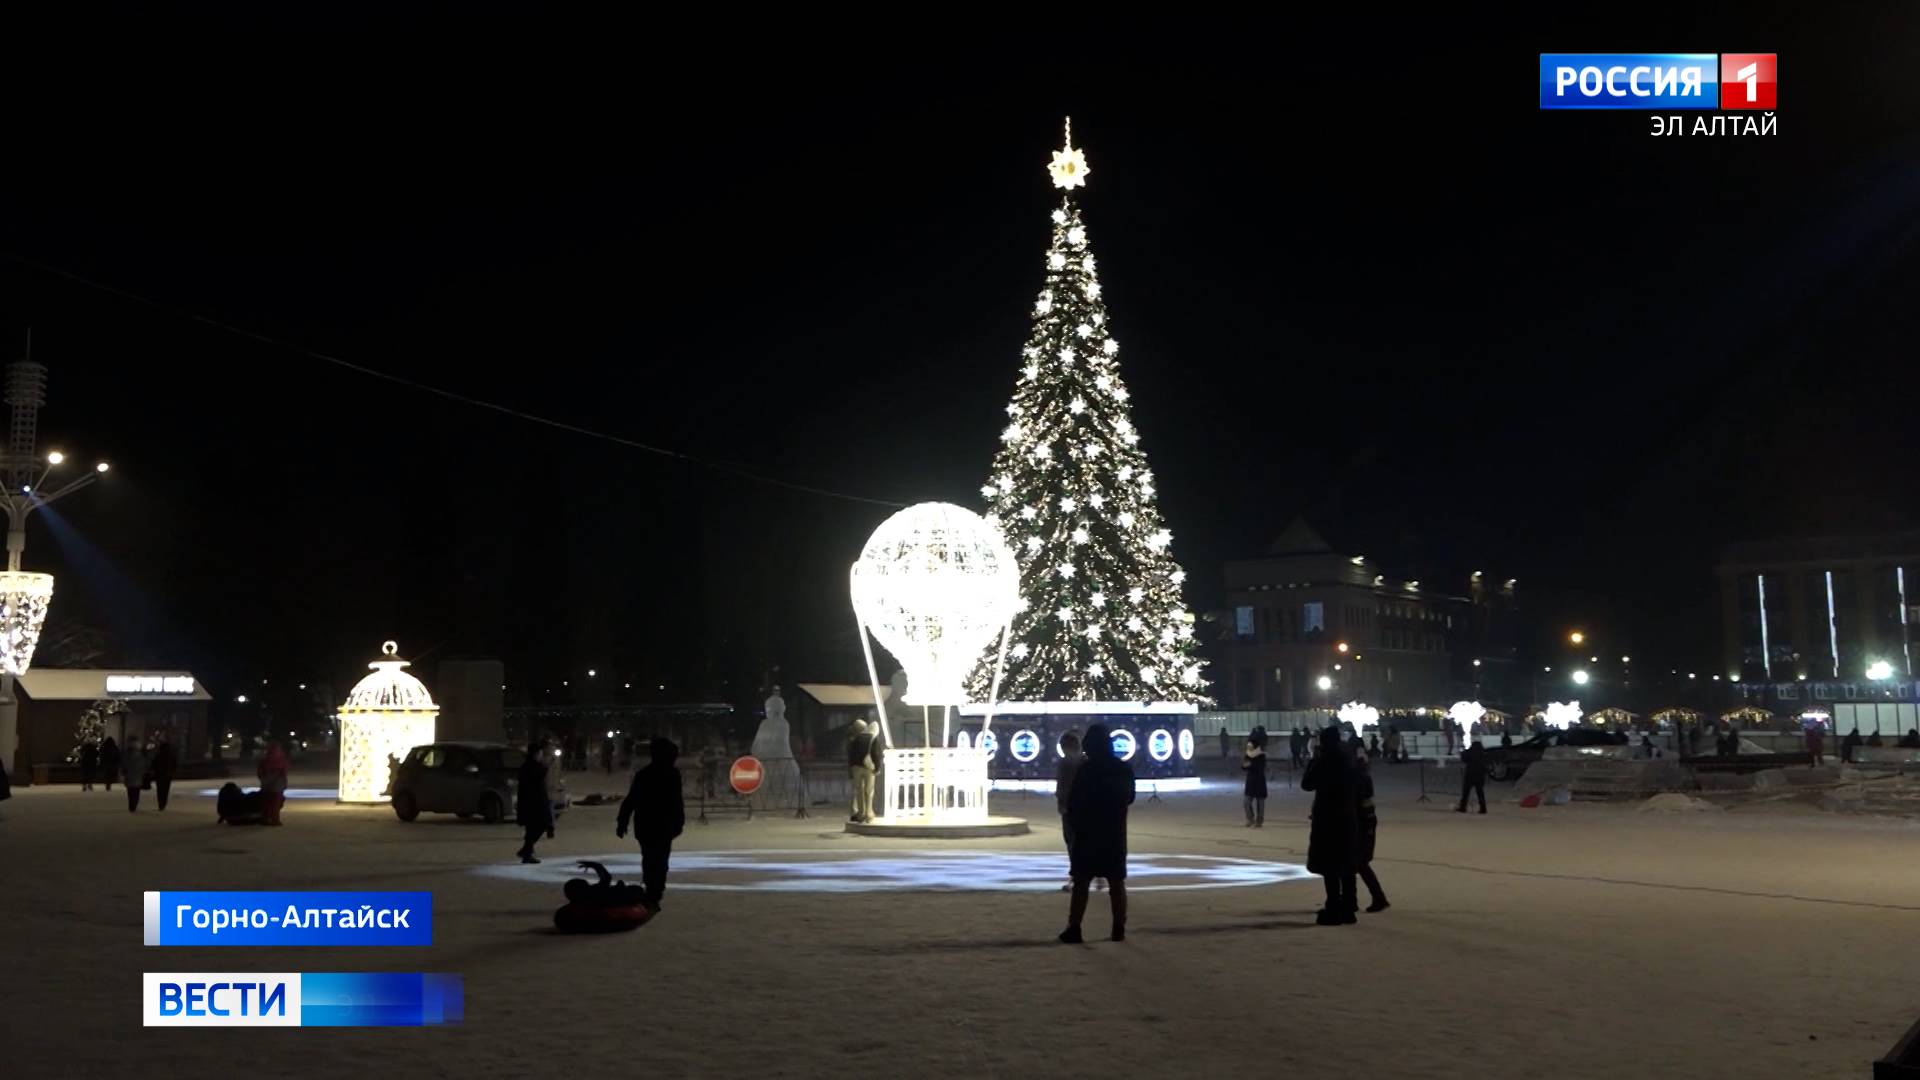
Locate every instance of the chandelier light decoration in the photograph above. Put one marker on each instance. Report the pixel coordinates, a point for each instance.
(935, 585)
(24, 597)
(388, 713)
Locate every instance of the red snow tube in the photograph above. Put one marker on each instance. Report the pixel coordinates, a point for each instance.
(578, 919)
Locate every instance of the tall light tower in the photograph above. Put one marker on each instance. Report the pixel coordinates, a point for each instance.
(24, 595)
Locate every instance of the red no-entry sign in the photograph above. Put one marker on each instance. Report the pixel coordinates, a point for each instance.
(746, 774)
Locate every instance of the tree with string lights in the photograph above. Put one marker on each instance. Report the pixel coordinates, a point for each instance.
(1102, 617)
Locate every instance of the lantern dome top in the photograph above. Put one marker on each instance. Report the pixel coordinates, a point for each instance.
(389, 689)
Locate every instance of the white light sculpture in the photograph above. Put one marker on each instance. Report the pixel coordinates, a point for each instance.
(388, 713)
(1360, 716)
(1124, 744)
(1466, 714)
(1186, 745)
(935, 584)
(1562, 714)
(24, 597)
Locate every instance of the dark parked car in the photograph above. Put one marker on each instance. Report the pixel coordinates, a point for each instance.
(463, 778)
(1508, 762)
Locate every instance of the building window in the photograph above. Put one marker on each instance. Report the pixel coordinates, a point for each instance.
(1243, 620)
(1243, 687)
(1313, 617)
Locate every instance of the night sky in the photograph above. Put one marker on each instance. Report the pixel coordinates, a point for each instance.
(1357, 273)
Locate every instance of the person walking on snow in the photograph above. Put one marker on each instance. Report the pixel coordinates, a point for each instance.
(133, 768)
(89, 764)
(657, 812)
(109, 761)
(165, 761)
(1097, 813)
(533, 809)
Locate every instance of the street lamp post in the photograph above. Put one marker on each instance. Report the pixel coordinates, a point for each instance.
(25, 595)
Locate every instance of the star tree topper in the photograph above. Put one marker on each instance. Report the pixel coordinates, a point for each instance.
(1069, 166)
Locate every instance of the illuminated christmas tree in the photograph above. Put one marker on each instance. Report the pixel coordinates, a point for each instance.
(1102, 617)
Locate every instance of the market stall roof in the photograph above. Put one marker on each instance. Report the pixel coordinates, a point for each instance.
(842, 694)
(127, 684)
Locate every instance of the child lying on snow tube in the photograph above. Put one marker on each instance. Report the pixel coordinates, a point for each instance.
(600, 907)
(238, 807)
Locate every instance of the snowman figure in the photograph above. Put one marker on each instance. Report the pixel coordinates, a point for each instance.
(773, 745)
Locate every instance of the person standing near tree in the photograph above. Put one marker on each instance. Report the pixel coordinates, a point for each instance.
(89, 763)
(533, 808)
(1097, 813)
(109, 761)
(1253, 762)
(165, 760)
(133, 769)
(1063, 774)
(1333, 837)
(658, 813)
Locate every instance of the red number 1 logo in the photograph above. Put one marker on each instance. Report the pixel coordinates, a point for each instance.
(1748, 80)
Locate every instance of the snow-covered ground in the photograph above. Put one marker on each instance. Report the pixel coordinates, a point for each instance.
(1564, 942)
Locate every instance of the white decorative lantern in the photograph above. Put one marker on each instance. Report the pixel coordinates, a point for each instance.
(24, 597)
(935, 583)
(388, 714)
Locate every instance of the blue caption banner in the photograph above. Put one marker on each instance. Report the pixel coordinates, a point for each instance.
(289, 918)
(309, 999)
(1642, 81)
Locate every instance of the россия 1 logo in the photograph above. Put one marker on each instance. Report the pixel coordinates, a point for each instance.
(1650, 82)
(1629, 81)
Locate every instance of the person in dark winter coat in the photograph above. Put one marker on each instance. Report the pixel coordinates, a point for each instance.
(165, 761)
(109, 761)
(1849, 744)
(1097, 813)
(658, 813)
(1297, 746)
(1369, 826)
(133, 769)
(1473, 779)
(1253, 761)
(1333, 839)
(89, 764)
(533, 806)
(1063, 774)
